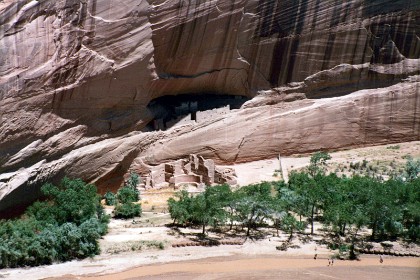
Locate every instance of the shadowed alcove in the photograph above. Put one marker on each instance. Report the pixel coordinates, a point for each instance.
(172, 110)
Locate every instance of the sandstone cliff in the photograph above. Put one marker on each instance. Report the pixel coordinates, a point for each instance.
(77, 78)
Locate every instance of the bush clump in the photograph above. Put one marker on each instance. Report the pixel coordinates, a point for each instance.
(126, 205)
(127, 210)
(66, 226)
(110, 198)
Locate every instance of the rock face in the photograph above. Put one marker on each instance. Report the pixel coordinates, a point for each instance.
(78, 77)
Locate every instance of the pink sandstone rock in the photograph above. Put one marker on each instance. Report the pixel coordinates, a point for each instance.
(77, 78)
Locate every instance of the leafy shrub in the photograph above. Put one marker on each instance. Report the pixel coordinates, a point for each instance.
(127, 210)
(66, 226)
(343, 248)
(133, 181)
(412, 169)
(127, 195)
(413, 232)
(179, 208)
(72, 201)
(110, 198)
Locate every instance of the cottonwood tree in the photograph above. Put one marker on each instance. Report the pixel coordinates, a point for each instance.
(290, 225)
(207, 208)
(345, 207)
(127, 197)
(65, 226)
(318, 163)
(311, 194)
(254, 204)
(180, 207)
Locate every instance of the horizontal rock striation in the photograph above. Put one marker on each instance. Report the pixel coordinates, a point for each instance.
(365, 117)
(77, 76)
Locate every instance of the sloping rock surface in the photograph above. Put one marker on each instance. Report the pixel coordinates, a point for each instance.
(77, 76)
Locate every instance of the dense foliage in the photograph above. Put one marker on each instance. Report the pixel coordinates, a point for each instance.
(127, 210)
(203, 209)
(110, 198)
(391, 209)
(66, 226)
(126, 199)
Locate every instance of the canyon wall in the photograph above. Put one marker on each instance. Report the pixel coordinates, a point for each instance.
(77, 76)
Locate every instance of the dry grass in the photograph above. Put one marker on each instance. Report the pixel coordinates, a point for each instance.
(377, 161)
(128, 246)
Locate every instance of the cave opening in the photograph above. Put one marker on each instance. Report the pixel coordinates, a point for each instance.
(171, 110)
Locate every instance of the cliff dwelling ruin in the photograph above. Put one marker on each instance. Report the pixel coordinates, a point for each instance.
(170, 111)
(193, 171)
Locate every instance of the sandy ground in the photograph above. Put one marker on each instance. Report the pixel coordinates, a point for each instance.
(255, 259)
(256, 171)
(273, 267)
(107, 263)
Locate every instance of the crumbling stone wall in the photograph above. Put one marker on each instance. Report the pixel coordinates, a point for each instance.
(195, 170)
(203, 116)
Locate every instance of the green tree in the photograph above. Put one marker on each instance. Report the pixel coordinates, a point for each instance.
(133, 180)
(311, 194)
(209, 207)
(381, 208)
(179, 207)
(65, 226)
(254, 204)
(314, 191)
(285, 204)
(127, 210)
(409, 203)
(344, 206)
(412, 169)
(126, 206)
(71, 201)
(127, 195)
(231, 203)
(290, 224)
(318, 163)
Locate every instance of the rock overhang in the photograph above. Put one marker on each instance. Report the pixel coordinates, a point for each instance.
(76, 78)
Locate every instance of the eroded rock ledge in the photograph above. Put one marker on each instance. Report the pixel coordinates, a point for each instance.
(77, 78)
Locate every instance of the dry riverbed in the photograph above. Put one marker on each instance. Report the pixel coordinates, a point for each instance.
(126, 254)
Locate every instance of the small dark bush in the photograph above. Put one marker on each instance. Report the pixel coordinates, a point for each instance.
(110, 198)
(127, 195)
(127, 210)
(395, 147)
